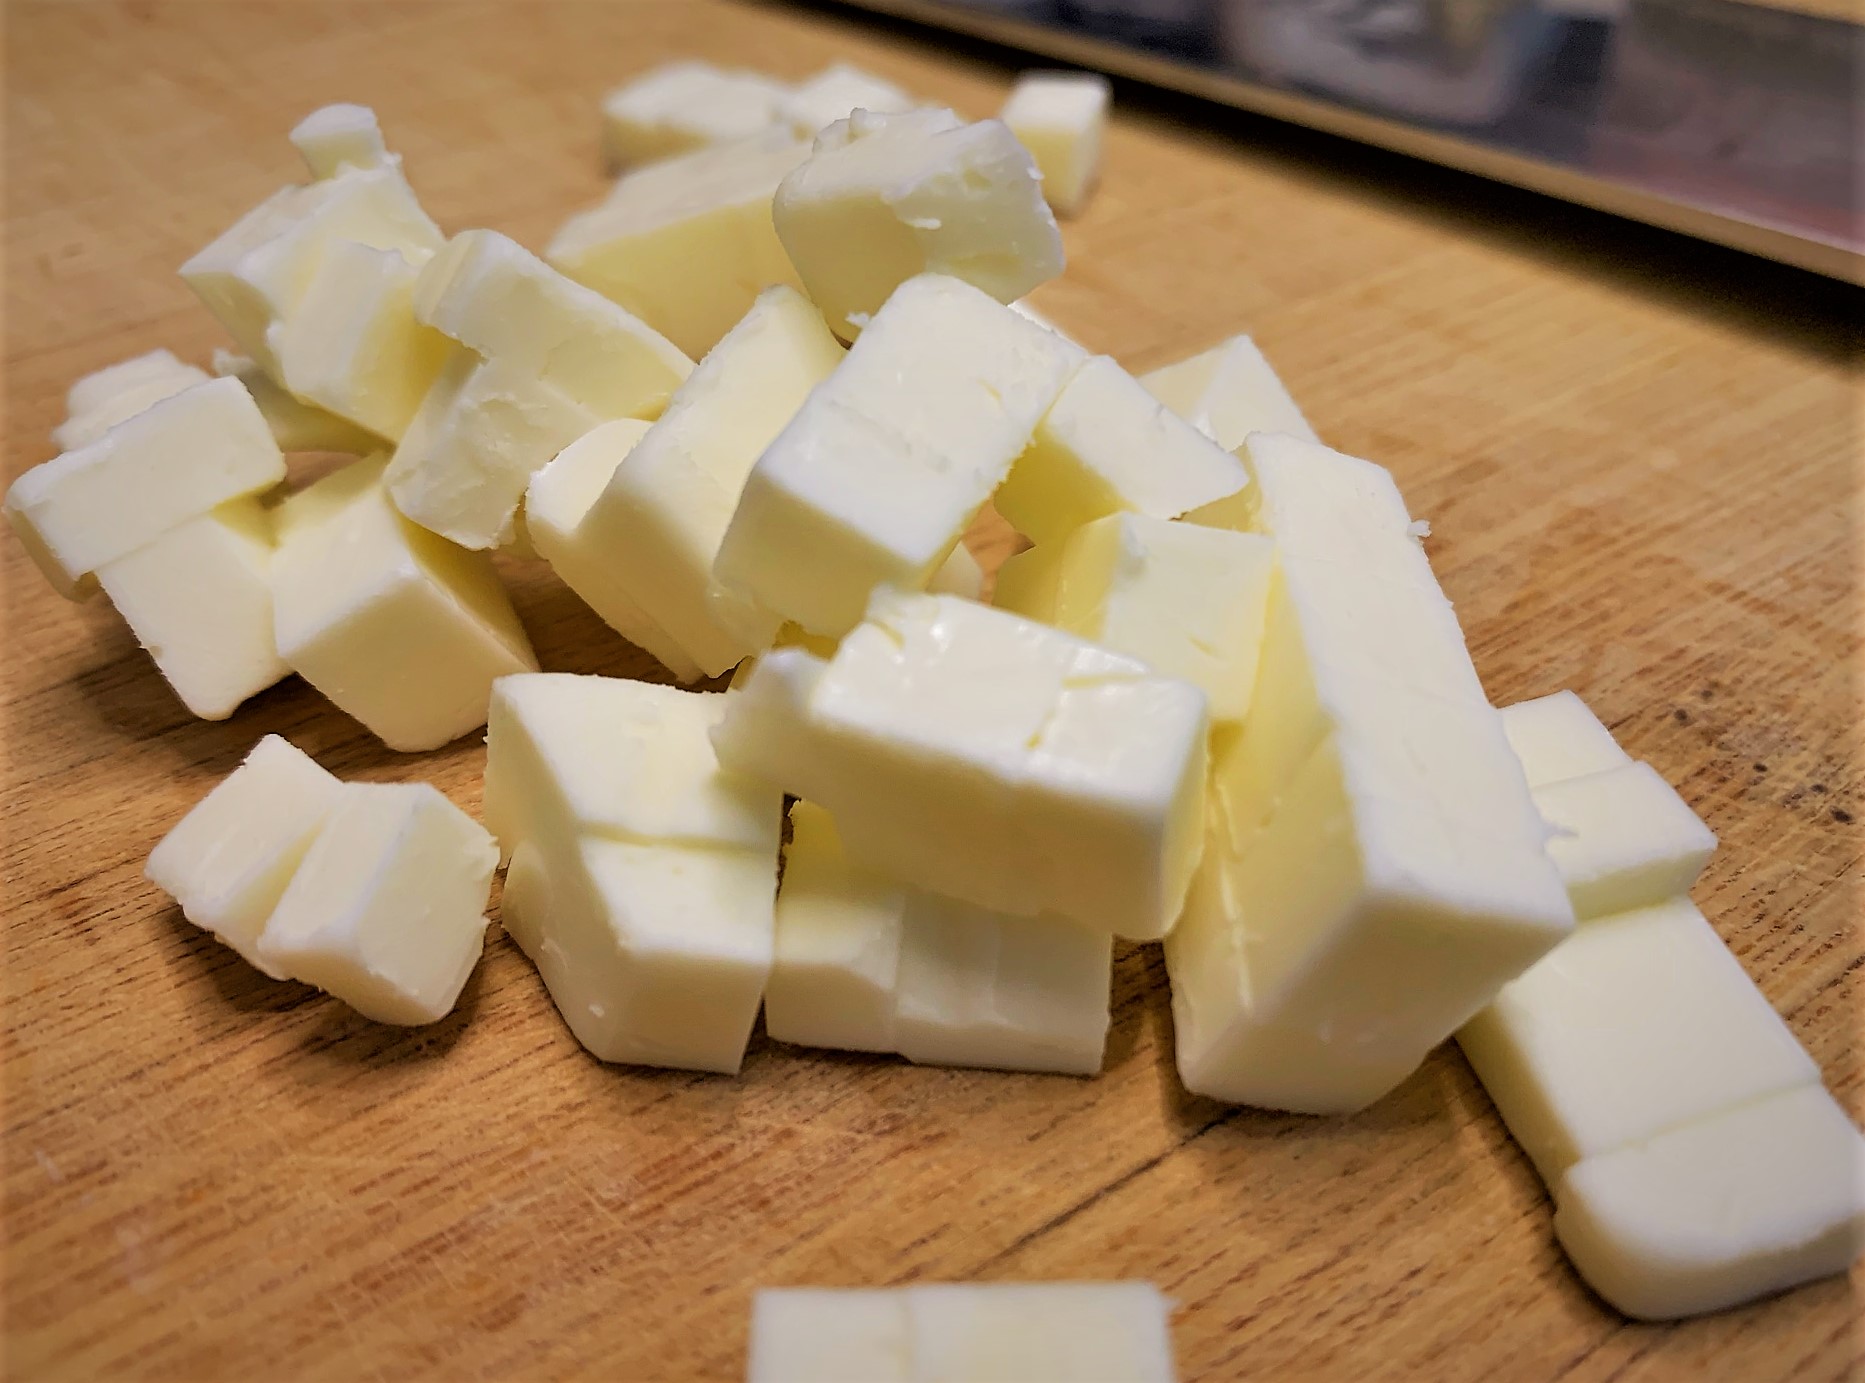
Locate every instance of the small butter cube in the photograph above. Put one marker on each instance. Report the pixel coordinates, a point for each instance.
(199, 599)
(1187, 601)
(295, 424)
(972, 753)
(1623, 838)
(685, 105)
(660, 520)
(686, 244)
(1034, 1332)
(387, 910)
(1760, 1198)
(398, 627)
(837, 92)
(1557, 737)
(557, 501)
(1637, 1023)
(104, 398)
(1107, 447)
(339, 137)
(353, 346)
(886, 197)
(1227, 393)
(227, 861)
(1060, 117)
(881, 470)
(174, 461)
(494, 296)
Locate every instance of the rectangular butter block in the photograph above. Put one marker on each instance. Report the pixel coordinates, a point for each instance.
(975, 754)
(400, 628)
(837, 92)
(884, 198)
(1107, 446)
(1636, 1024)
(1227, 393)
(557, 500)
(1187, 601)
(199, 599)
(174, 461)
(387, 910)
(1622, 838)
(295, 424)
(661, 519)
(681, 106)
(1061, 118)
(227, 861)
(102, 399)
(878, 474)
(1557, 737)
(687, 244)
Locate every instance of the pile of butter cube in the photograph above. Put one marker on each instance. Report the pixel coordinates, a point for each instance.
(746, 409)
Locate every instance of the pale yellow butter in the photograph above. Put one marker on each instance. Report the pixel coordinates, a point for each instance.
(1227, 393)
(1061, 118)
(837, 92)
(106, 397)
(295, 424)
(681, 106)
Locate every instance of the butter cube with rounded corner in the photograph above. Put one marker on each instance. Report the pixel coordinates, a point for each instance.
(1061, 118)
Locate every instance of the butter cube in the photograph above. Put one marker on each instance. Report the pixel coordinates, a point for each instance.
(1035, 1332)
(1557, 737)
(338, 137)
(557, 501)
(881, 470)
(106, 397)
(1108, 447)
(1623, 839)
(1061, 117)
(228, 861)
(1760, 1198)
(387, 908)
(686, 244)
(174, 461)
(974, 754)
(1227, 393)
(400, 628)
(1188, 602)
(685, 105)
(661, 519)
(295, 424)
(353, 346)
(199, 599)
(837, 92)
(886, 197)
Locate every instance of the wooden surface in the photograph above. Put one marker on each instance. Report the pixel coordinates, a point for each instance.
(1639, 457)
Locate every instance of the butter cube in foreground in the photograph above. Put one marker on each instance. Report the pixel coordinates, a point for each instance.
(398, 627)
(387, 910)
(660, 520)
(1061, 117)
(1109, 447)
(102, 399)
(1557, 737)
(685, 105)
(1035, 1332)
(1758, 1199)
(228, 861)
(977, 755)
(295, 424)
(199, 599)
(686, 244)
(1227, 393)
(177, 459)
(886, 197)
(556, 502)
(837, 92)
(1187, 601)
(881, 470)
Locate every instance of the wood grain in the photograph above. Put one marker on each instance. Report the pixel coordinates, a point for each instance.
(1640, 459)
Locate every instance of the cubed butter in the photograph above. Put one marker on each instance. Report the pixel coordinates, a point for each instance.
(1557, 737)
(884, 198)
(104, 398)
(1227, 393)
(1061, 118)
(337, 137)
(1623, 838)
(228, 861)
(1187, 601)
(975, 754)
(837, 92)
(881, 470)
(387, 909)
(1031, 1332)
(1107, 446)
(686, 244)
(686, 105)
(295, 424)
(400, 628)
(199, 599)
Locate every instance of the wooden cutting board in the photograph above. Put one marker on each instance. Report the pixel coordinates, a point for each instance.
(1639, 457)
